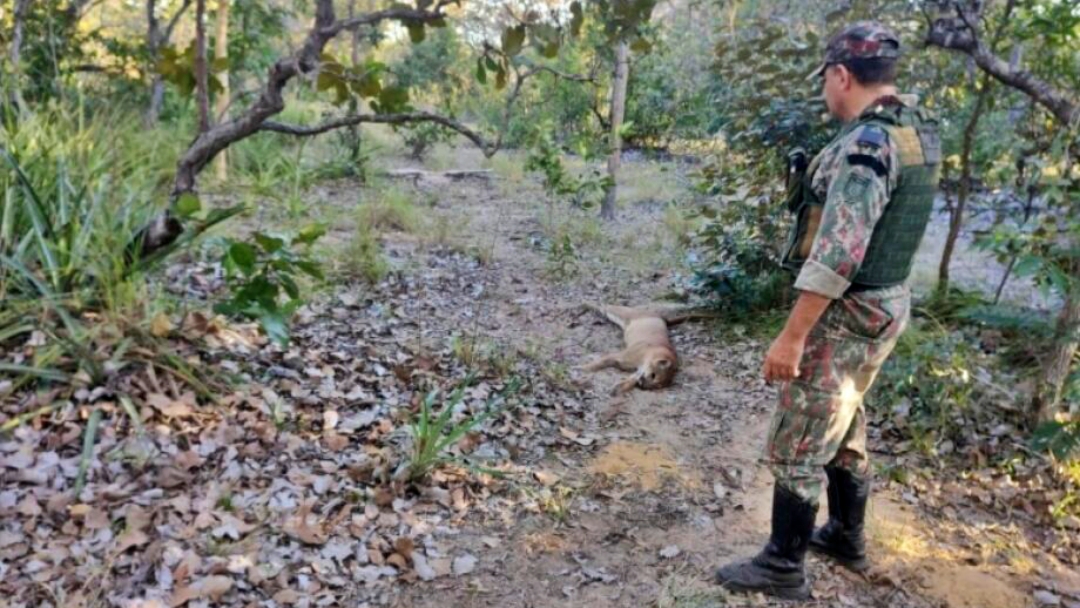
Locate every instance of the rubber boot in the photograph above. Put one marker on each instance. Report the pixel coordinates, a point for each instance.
(843, 538)
(778, 570)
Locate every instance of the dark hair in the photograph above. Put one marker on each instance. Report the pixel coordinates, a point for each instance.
(872, 70)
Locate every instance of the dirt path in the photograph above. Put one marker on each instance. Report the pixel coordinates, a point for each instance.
(657, 488)
(295, 489)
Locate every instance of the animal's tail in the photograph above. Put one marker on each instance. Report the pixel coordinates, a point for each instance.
(671, 314)
(679, 313)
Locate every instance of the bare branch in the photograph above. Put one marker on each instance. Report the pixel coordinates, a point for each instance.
(403, 14)
(270, 101)
(589, 78)
(488, 148)
(167, 34)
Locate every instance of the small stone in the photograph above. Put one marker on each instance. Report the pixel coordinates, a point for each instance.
(464, 565)
(1045, 598)
(423, 569)
(670, 551)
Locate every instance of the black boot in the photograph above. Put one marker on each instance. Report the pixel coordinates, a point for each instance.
(843, 537)
(778, 569)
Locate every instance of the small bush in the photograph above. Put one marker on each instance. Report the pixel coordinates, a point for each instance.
(261, 272)
(363, 257)
(390, 210)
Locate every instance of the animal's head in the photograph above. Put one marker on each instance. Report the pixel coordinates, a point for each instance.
(657, 371)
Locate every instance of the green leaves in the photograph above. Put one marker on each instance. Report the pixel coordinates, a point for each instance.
(242, 257)
(261, 271)
(512, 40)
(481, 73)
(178, 68)
(187, 205)
(577, 19)
(391, 100)
(416, 31)
(364, 80)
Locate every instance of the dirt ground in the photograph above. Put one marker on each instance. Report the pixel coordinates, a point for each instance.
(282, 495)
(657, 488)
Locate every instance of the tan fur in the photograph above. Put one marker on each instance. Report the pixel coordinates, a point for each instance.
(648, 353)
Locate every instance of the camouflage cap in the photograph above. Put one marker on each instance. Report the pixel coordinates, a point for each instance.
(861, 40)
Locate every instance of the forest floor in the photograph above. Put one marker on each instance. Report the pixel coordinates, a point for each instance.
(284, 493)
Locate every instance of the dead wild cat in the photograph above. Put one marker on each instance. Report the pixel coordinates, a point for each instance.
(649, 353)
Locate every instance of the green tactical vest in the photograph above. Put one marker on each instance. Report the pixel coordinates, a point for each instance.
(900, 229)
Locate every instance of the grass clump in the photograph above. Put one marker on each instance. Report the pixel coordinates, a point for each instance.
(434, 435)
(390, 210)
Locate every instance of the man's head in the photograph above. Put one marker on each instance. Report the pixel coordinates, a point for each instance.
(860, 65)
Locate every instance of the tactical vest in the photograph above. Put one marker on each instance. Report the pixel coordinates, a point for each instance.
(897, 234)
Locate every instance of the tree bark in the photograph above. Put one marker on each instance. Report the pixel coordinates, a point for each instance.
(157, 84)
(18, 20)
(618, 110)
(202, 88)
(156, 39)
(956, 214)
(15, 52)
(354, 38)
(221, 52)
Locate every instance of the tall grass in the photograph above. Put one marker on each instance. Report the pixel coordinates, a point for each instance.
(75, 191)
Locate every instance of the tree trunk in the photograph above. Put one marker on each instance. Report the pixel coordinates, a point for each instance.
(157, 100)
(1056, 370)
(956, 214)
(18, 19)
(157, 85)
(354, 37)
(618, 110)
(221, 52)
(202, 89)
(15, 52)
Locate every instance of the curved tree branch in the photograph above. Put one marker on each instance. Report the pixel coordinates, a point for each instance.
(270, 101)
(165, 228)
(959, 34)
(488, 148)
(167, 33)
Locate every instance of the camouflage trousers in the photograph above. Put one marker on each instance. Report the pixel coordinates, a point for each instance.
(820, 419)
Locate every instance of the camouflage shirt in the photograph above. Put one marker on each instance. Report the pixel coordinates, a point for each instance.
(855, 175)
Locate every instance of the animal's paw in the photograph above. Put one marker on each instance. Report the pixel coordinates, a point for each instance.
(625, 386)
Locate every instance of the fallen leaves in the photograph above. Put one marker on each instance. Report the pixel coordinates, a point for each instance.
(210, 587)
(302, 527)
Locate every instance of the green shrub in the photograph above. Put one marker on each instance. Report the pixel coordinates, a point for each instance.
(262, 278)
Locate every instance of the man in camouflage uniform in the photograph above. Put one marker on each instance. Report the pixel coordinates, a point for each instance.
(861, 209)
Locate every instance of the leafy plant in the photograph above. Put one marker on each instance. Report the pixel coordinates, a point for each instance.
(422, 137)
(1062, 439)
(261, 272)
(562, 258)
(928, 385)
(545, 158)
(434, 434)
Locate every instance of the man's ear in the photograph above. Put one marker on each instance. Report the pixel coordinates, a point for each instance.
(845, 76)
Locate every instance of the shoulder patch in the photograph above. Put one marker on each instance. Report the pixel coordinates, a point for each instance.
(872, 135)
